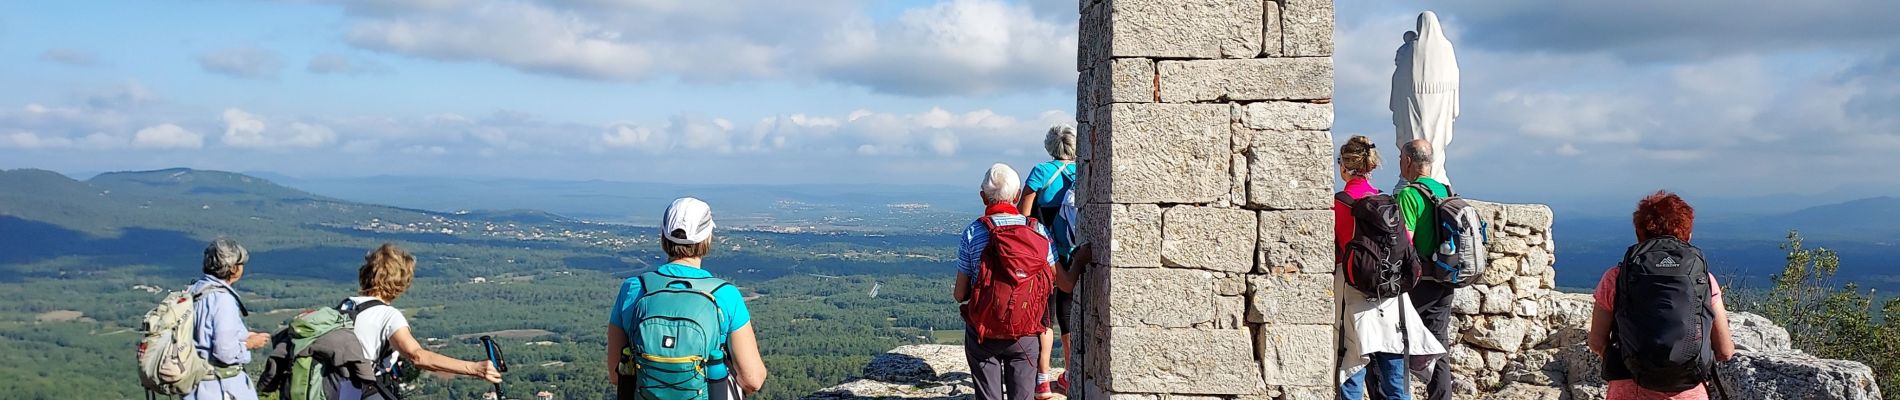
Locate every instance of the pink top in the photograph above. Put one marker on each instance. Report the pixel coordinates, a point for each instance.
(1357, 188)
(1624, 389)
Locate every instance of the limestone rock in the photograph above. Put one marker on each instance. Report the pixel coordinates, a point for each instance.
(1526, 392)
(1284, 116)
(1583, 373)
(1296, 354)
(1291, 299)
(1795, 375)
(1220, 239)
(1296, 241)
(1132, 80)
(1568, 316)
(917, 363)
(908, 372)
(868, 389)
(1188, 29)
(1290, 171)
(1526, 308)
(1535, 367)
(1246, 80)
(1497, 299)
(1213, 361)
(1163, 297)
(1756, 333)
(1466, 302)
(1500, 334)
(1163, 153)
(1307, 28)
(1131, 238)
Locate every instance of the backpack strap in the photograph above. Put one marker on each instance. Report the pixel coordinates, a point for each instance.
(1343, 198)
(1431, 199)
(1061, 172)
(242, 311)
(353, 309)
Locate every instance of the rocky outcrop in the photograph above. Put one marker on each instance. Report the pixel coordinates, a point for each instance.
(1790, 374)
(908, 372)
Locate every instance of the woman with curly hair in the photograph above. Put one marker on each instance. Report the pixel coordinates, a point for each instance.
(386, 273)
(1660, 339)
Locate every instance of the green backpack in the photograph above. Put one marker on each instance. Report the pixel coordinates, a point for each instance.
(677, 324)
(308, 376)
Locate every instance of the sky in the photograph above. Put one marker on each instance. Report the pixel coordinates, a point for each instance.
(1560, 99)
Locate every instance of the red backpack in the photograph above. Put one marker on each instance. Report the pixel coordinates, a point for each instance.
(1011, 291)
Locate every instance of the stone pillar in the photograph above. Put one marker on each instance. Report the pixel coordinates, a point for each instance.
(1207, 176)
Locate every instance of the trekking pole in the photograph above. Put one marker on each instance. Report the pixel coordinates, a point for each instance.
(501, 364)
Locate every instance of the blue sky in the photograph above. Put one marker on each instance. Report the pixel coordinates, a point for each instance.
(1564, 100)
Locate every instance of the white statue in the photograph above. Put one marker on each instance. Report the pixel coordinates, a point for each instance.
(1425, 90)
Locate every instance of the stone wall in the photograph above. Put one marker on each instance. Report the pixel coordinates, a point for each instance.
(1207, 172)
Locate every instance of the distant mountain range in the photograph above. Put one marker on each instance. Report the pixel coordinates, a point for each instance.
(1865, 232)
(873, 206)
(43, 204)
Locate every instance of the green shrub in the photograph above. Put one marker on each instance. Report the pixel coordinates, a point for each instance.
(1826, 319)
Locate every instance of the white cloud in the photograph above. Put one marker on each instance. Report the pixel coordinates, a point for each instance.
(518, 34)
(121, 96)
(30, 140)
(243, 129)
(338, 64)
(167, 136)
(242, 62)
(957, 46)
(949, 47)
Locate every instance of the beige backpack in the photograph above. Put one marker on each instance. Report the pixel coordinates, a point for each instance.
(168, 361)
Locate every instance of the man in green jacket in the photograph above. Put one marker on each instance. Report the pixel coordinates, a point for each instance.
(1431, 297)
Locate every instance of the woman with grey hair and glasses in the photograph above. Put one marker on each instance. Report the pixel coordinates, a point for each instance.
(220, 336)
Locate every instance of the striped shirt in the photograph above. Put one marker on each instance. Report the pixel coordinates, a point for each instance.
(977, 237)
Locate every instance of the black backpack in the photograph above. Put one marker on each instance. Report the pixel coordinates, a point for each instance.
(1379, 260)
(1660, 337)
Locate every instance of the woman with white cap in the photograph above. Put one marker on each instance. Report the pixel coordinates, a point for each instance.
(637, 362)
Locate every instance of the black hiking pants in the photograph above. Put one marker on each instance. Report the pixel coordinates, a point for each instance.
(1433, 300)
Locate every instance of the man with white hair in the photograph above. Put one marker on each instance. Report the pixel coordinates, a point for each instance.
(1004, 276)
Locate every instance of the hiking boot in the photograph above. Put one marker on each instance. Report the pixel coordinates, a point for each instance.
(1062, 384)
(1042, 387)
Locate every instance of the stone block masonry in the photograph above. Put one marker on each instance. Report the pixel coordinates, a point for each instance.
(1207, 178)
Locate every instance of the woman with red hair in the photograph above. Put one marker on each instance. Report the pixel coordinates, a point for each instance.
(1661, 338)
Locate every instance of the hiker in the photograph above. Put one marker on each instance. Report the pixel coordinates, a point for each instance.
(220, 336)
(1004, 260)
(1431, 296)
(1374, 350)
(647, 355)
(1642, 313)
(384, 332)
(1048, 184)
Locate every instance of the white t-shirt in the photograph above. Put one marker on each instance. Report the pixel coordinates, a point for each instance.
(373, 328)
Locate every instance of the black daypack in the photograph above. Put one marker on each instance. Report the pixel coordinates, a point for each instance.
(1461, 257)
(1379, 260)
(1660, 335)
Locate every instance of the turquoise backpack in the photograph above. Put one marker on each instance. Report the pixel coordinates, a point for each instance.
(677, 330)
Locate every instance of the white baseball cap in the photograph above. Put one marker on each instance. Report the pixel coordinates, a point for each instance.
(687, 221)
